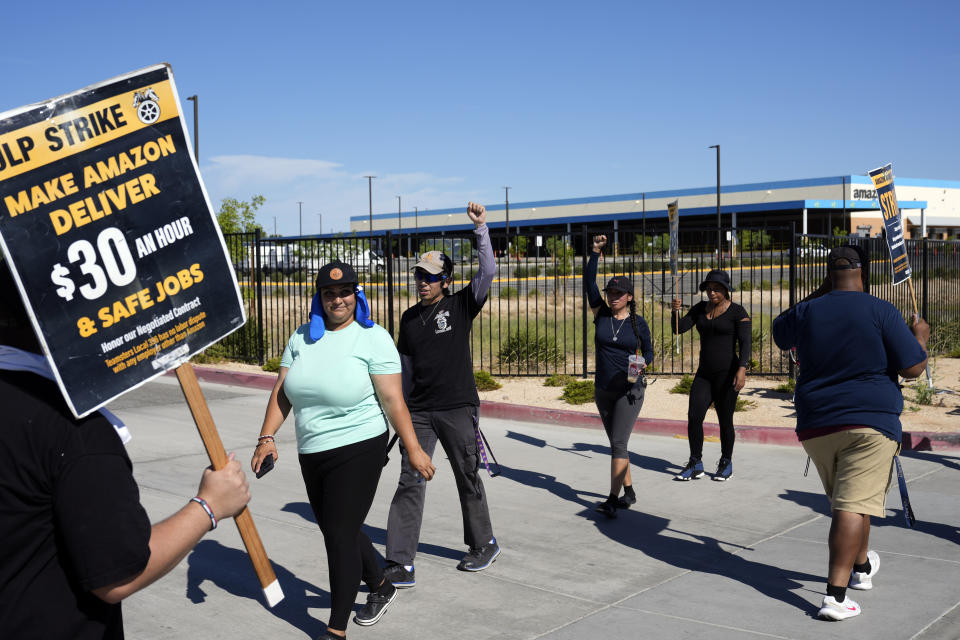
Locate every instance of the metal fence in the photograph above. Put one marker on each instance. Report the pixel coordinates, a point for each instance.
(536, 321)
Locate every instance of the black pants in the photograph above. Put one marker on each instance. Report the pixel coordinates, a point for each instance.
(341, 484)
(715, 387)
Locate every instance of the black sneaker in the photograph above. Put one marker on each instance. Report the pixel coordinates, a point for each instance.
(607, 508)
(479, 558)
(399, 576)
(376, 606)
(624, 501)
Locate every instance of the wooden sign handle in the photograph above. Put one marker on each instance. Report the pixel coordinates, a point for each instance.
(218, 458)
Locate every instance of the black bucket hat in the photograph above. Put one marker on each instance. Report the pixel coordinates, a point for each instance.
(719, 276)
(336, 272)
(619, 283)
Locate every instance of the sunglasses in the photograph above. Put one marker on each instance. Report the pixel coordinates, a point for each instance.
(428, 277)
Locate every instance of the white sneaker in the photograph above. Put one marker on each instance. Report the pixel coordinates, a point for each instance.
(862, 580)
(830, 609)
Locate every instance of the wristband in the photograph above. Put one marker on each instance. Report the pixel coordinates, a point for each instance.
(203, 503)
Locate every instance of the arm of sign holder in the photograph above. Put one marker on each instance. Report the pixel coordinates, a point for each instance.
(218, 457)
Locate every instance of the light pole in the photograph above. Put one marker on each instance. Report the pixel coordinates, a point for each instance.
(196, 124)
(320, 215)
(416, 220)
(719, 245)
(506, 192)
(274, 226)
(301, 217)
(370, 194)
(399, 214)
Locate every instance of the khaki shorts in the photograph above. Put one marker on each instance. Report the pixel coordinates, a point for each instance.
(855, 467)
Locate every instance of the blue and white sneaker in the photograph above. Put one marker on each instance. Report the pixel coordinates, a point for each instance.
(693, 471)
(724, 470)
(479, 558)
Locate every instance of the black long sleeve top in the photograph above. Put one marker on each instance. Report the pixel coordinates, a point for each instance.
(719, 337)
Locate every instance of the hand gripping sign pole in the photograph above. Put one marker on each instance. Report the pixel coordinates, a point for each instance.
(893, 223)
(218, 458)
(110, 236)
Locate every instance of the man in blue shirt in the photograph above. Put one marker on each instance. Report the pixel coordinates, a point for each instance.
(851, 347)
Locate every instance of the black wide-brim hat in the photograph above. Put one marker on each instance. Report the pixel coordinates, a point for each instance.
(336, 272)
(719, 276)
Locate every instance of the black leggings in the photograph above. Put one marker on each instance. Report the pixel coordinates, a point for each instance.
(718, 389)
(341, 484)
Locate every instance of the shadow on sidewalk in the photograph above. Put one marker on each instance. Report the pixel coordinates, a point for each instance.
(580, 448)
(377, 535)
(647, 534)
(230, 570)
(818, 503)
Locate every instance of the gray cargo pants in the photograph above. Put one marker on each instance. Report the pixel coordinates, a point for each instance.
(455, 430)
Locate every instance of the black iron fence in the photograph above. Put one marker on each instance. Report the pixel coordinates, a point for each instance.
(536, 321)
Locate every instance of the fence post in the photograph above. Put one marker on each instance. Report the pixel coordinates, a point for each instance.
(389, 284)
(583, 294)
(258, 277)
(926, 277)
(793, 279)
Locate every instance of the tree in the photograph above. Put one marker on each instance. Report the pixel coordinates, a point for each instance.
(239, 216)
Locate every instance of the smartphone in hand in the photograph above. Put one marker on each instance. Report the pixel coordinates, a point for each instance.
(266, 466)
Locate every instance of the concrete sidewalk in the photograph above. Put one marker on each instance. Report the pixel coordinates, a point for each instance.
(742, 559)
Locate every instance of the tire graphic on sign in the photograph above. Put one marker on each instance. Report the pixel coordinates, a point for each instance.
(147, 104)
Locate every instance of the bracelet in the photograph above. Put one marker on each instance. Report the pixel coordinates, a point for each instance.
(265, 438)
(203, 503)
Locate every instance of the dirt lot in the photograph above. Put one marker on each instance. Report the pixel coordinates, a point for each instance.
(770, 408)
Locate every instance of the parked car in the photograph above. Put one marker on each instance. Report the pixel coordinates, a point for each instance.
(813, 250)
(367, 260)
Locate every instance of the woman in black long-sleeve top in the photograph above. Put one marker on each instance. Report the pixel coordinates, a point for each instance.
(722, 325)
(618, 399)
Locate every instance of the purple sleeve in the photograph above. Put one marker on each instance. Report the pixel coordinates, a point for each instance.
(483, 278)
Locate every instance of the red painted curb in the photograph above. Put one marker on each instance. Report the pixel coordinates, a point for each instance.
(912, 440)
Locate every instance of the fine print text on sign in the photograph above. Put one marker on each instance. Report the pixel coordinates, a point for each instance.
(109, 232)
(893, 222)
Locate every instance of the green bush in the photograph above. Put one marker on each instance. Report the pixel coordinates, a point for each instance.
(746, 285)
(558, 380)
(684, 386)
(578, 392)
(528, 350)
(533, 293)
(559, 269)
(766, 285)
(945, 339)
(485, 381)
(787, 387)
(403, 292)
(509, 292)
(272, 365)
(217, 352)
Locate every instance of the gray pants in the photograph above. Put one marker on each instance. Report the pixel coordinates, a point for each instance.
(618, 412)
(455, 430)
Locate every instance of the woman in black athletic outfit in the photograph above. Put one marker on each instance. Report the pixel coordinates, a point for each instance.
(618, 399)
(722, 373)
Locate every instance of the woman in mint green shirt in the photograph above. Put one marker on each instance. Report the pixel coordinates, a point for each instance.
(340, 373)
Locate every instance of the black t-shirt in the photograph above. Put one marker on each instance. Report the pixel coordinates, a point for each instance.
(437, 339)
(70, 516)
(719, 337)
(612, 354)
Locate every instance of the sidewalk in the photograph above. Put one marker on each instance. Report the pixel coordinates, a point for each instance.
(741, 559)
(915, 440)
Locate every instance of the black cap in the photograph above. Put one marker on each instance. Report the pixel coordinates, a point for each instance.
(719, 276)
(843, 258)
(336, 272)
(619, 283)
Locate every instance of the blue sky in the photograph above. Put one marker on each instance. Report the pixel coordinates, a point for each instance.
(449, 101)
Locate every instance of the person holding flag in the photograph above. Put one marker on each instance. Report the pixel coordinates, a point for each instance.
(619, 390)
(848, 404)
(725, 345)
